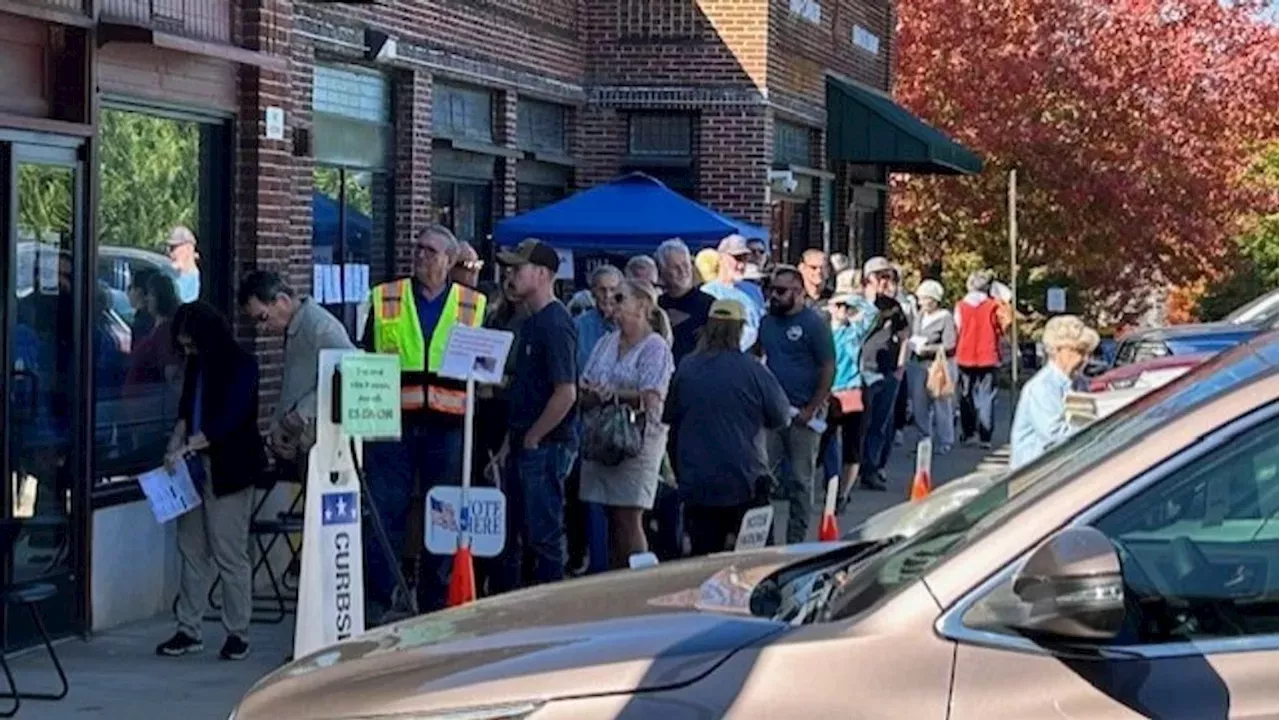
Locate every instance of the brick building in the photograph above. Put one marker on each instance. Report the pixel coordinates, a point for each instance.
(303, 135)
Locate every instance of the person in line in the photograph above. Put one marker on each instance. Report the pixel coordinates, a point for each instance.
(143, 321)
(154, 355)
(688, 309)
(466, 269)
(1040, 418)
(631, 365)
(759, 254)
(707, 263)
(216, 435)
(848, 311)
(687, 306)
(412, 318)
(814, 270)
(308, 328)
(721, 406)
(579, 303)
(933, 332)
(643, 269)
(884, 327)
(729, 285)
(901, 403)
(584, 523)
(542, 419)
(800, 353)
(978, 323)
(186, 260)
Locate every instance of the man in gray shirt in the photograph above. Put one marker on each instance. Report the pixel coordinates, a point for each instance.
(799, 351)
(308, 328)
(720, 404)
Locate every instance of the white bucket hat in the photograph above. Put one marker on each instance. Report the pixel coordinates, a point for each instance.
(931, 289)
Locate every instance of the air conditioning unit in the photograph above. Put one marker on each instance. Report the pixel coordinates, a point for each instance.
(783, 181)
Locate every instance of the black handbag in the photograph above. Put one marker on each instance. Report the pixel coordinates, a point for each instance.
(615, 432)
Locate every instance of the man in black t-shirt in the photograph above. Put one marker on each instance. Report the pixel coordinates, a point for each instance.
(542, 414)
(686, 305)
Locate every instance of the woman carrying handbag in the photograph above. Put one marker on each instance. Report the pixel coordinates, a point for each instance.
(624, 385)
(931, 370)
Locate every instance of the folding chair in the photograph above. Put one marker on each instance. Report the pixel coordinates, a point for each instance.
(29, 594)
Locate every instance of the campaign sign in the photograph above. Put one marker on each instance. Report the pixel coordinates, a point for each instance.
(484, 520)
(753, 534)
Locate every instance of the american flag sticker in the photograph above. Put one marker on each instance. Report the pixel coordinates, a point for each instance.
(442, 515)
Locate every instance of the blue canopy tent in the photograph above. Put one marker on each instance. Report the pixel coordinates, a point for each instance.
(632, 214)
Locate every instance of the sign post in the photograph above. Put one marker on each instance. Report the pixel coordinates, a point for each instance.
(357, 397)
(479, 524)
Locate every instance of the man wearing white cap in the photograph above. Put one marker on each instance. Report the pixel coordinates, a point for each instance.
(881, 364)
(728, 285)
(183, 255)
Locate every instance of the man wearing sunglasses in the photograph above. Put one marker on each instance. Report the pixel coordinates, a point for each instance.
(412, 318)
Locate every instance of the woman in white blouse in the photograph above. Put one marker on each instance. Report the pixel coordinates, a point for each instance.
(632, 365)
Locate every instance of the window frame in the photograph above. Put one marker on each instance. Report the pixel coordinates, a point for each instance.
(950, 623)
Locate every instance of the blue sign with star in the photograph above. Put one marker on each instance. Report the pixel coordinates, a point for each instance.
(338, 508)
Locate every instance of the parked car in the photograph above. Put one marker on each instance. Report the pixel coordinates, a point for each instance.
(1149, 374)
(1263, 312)
(1191, 339)
(1129, 572)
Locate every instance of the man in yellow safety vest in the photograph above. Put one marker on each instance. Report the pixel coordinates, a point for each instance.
(412, 317)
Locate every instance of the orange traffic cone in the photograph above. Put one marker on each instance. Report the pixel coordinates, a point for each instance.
(829, 530)
(921, 485)
(462, 581)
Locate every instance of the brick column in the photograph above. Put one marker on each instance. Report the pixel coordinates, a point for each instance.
(413, 200)
(298, 117)
(264, 171)
(734, 149)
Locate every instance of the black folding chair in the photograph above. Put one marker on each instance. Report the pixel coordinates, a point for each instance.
(29, 594)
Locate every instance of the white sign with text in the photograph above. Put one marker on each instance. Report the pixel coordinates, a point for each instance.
(484, 520)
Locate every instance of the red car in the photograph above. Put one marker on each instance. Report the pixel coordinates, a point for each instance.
(1150, 373)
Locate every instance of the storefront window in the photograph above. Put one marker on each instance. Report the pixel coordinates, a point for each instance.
(466, 208)
(351, 208)
(160, 229)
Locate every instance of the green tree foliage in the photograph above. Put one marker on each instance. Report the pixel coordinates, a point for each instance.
(150, 178)
(1256, 261)
(44, 200)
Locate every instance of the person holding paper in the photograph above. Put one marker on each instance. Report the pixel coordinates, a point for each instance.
(542, 442)
(799, 351)
(308, 328)
(217, 436)
(884, 325)
(412, 317)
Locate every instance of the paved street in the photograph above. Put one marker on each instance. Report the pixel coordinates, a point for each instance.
(116, 676)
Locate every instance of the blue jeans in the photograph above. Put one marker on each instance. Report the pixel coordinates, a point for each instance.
(534, 486)
(434, 455)
(877, 431)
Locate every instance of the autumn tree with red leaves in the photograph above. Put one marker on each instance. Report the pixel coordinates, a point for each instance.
(1132, 123)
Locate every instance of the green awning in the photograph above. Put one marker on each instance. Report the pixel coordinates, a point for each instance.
(867, 127)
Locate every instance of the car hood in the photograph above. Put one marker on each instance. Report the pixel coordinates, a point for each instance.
(614, 633)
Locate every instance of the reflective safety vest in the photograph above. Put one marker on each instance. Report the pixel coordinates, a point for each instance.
(397, 331)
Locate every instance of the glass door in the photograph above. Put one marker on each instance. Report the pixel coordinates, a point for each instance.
(40, 408)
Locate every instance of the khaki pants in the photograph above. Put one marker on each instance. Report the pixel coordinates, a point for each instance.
(213, 541)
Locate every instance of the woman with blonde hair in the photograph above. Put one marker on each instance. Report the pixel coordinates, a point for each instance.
(707, 262)
(1041, 418)
(624, 385)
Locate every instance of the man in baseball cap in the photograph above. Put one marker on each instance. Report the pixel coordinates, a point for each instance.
(730, 285)
(541, 421)
(183, 255)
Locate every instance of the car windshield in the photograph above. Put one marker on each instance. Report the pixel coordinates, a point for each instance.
(906, 561)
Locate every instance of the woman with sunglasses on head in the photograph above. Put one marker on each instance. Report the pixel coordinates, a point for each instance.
(632, 367)
(216, 436)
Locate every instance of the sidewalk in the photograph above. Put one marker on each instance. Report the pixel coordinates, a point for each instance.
(118, 676)
(962, 460)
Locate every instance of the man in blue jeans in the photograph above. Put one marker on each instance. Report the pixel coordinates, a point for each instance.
(542, 442)
(882, 363)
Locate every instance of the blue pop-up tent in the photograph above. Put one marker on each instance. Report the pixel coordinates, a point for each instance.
(634, 213)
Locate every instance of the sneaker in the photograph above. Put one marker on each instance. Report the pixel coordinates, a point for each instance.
(178, 645)
(235, 648)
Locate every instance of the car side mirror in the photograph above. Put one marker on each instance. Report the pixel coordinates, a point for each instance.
(1071, 587)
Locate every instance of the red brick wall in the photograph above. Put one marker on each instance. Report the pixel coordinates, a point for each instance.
(800, 51)
(736, 146)
(412, 102)
(264, 182)
(656, 42)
